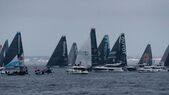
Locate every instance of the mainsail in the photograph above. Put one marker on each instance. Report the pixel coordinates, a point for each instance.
(14, 54)
(165, 59)
(94, 50)
(84, 55)
(3, 52)
(103, 50)
(146, 58)
(118, 52)
(72, 54)
(59, 56)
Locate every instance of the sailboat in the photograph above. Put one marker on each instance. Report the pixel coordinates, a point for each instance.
(3, 53)
(94, 50)
(164, 63)
(117, 58)
(145, 62)
(2, 56)
(146, 58)
(14, 57)
(72, 55)
(165, 59)
(83, 61)
(103, 52)
(59, 56)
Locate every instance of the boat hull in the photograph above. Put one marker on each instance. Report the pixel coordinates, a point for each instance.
(106, 69)
(78, 70)
(131, 68)
(152, 69)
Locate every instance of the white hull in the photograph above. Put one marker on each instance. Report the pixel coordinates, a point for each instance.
(152, 69)
(2, 72)
(2, 68)
(104, 68)
(144, 70)
(78, 70)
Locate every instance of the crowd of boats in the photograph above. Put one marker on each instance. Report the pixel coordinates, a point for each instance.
(89, 57)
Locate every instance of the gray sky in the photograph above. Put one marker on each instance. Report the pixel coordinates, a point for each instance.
(42, 22)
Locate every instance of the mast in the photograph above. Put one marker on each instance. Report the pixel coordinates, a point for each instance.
(165, 59)
(146, 58)
(103, 50)
(94, 50)
(72, 54)
(118, 52)
(15, 50)
(59, 56)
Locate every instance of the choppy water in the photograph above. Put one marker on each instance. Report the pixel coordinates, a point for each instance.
(61, 83)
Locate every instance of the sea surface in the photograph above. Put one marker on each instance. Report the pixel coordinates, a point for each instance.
(100, 83)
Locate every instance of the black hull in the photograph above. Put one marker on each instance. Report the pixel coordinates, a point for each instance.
(42, 72)
(99, 69)
(131, 69)
(16, 73)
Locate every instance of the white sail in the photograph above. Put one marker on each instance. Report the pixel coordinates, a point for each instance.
(84, 55)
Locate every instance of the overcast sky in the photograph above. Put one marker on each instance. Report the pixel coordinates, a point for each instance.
(43, 22)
